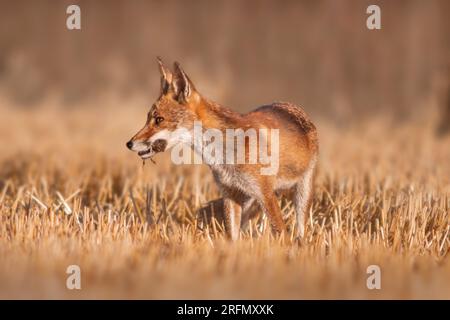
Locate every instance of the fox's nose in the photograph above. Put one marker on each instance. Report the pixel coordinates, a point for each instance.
(130, 144)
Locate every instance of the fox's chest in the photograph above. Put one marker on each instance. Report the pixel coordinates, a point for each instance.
(228, 178)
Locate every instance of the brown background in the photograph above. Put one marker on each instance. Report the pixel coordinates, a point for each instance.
(318, 54)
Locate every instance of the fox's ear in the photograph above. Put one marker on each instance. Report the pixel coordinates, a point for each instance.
(183, 86)
(166, 76)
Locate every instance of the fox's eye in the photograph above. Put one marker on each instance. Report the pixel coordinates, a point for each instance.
(158, 120)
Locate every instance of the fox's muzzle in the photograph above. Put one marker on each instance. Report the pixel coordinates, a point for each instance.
(158, 145)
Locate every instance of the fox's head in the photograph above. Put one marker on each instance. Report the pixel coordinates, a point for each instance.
(174, 110)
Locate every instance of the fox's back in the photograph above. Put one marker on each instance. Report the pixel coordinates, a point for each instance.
(297, 134)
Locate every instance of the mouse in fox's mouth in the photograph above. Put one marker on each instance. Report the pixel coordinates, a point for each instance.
(157, 146)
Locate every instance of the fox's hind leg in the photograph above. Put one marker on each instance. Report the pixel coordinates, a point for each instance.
(232, 214)
(302, 199)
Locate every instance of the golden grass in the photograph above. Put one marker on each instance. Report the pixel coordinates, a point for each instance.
(70, 193)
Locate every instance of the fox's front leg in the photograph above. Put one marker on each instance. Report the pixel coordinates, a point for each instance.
(232, 214)
(269, 204)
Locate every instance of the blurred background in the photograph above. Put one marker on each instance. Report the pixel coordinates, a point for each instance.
(318, 54)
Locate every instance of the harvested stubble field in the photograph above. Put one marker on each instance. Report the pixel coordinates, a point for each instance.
(70, 193)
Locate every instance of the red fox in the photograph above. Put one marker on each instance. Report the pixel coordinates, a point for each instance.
(242, 185)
